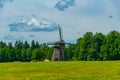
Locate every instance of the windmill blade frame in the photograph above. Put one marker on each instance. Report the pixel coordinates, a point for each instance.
(60, 34)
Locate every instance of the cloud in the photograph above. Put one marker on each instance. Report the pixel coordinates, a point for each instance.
(64, 4)
(31, 35)
(34, 24)
(2, 2)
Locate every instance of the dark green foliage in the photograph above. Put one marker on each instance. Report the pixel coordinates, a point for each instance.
(90, 47)
(2, 55)
(33, 46)
(47, 52)
(69, 51)
(96, 47)
(110, 49)
(37, 55)
(21, 51)
(26, 45)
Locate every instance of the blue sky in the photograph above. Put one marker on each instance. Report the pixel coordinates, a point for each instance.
(39, 19)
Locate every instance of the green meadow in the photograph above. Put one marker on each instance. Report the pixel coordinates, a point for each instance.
(74, 70)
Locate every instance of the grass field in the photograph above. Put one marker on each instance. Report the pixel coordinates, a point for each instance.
(96, 70)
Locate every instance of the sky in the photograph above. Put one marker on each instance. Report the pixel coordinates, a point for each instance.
(39, 20)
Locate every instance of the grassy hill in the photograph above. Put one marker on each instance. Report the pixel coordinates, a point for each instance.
(94, 70)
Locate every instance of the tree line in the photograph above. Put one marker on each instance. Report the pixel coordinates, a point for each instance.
(97, 46)
(90, 47)
(23, 51)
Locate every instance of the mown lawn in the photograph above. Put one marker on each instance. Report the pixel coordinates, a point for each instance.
(80, 70)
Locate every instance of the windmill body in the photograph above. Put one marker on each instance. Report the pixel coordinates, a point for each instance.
(58, 53)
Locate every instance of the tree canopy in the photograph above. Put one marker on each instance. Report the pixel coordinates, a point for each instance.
(90, 47)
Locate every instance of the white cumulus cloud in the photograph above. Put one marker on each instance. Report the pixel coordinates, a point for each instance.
(34, 25)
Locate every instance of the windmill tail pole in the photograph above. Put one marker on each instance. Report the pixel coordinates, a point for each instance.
(62, 49)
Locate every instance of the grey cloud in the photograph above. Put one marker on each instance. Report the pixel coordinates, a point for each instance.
(64, 4)
(2, 2)
(14, 37)
(31, 35)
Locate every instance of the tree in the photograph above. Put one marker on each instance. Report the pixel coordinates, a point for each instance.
(10, 45)
(29, 54)
(69, 51)
(26, 45)
(23, 54)
(2, 44)
(18, 44)
(37, 45)
(33, 44)
(2, 55)
(85, 46)
(97, 42)
(112, 44)
(37, 55)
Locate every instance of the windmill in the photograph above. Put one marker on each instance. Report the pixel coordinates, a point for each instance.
(58, 53)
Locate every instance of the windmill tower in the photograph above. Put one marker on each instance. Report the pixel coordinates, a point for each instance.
(58, 53)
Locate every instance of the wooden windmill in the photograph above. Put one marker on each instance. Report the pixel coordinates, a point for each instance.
(58, 53)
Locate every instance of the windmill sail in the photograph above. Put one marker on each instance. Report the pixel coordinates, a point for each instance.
(60, 34)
